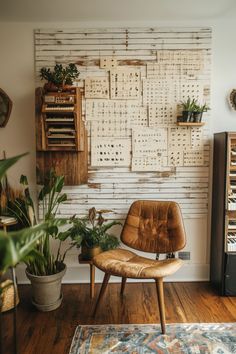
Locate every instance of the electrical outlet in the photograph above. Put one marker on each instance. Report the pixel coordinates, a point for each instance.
(184, 255)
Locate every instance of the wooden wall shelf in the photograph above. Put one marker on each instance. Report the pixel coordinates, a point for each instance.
(61, 136)
(191, 124)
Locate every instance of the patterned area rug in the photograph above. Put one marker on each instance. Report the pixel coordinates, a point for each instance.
(213, 338)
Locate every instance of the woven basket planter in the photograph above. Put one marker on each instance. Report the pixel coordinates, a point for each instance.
(7, 297)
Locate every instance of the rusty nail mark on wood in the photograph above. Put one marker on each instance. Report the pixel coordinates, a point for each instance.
(94, 185)
(143, 180)
(167, 173)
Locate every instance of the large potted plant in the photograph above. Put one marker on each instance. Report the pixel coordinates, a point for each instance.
(60, 78)
(47, 269)
(91, 233)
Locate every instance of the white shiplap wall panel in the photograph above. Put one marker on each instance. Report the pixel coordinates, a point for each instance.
(118, 187)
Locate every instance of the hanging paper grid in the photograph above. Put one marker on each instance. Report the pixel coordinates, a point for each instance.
(192, 89)
(97, 87)
(196, 138)
(175, 157)
(160, 115)
(162, 92)
(110, 152)
(125, 84)
(108, 63)
(111, 127)
(179, 138)
(114, 109)
(189, 62)
(166, 70)
(150, 164)
(165, 92)
(149, 142)
(118, 126)
(194, 158)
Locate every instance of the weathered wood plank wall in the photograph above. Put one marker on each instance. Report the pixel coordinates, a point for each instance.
(117, 187)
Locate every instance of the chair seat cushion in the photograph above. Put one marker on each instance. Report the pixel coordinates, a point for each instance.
(124, 263)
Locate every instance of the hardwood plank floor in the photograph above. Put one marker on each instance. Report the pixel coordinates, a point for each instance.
(52, 332)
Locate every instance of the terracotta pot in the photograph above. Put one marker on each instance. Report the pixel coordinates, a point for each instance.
(89, 253)
(7, 296)
(46, 290)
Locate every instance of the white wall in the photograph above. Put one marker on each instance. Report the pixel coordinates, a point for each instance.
(223, 75)
(17, 79)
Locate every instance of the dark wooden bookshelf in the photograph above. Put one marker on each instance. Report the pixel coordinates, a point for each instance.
(223, 229)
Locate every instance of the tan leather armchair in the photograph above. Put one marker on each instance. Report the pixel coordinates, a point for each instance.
(150, 226)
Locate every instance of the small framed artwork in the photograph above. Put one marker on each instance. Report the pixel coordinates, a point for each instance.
(5, 108)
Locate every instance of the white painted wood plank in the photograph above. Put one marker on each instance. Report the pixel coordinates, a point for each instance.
(165, 29)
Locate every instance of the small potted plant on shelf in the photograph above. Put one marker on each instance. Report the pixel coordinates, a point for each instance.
(60, 78)
(198, 112)
(187, 109)
(91, 233)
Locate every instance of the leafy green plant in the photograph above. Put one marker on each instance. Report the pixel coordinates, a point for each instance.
(51, 198)
(45, 261)
(5, 164)
(189, 104)
(92, 231)
(198, 108)
(60, 75)
(16, 246)
(22, 208)
(19, 246)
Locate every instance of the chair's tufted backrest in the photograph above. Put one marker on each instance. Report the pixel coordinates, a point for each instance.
(153, 226)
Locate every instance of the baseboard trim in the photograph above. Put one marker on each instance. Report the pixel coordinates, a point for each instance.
(79, 274)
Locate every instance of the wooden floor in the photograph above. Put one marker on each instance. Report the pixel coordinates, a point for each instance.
(52, 332)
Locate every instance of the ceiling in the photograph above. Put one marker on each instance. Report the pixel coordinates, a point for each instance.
(114, 10)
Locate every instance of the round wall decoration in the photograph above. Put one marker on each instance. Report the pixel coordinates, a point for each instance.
(5, 108)
(232, 99)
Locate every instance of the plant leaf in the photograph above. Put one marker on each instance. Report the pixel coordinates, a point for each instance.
(62, 198)
(16, 245)
(59, 184)
(92, 215)
(24, 180)
(7, 163)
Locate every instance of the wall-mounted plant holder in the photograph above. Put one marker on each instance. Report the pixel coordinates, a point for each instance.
(61, 136)
(5, 108)
(190, 124)
(232, 99)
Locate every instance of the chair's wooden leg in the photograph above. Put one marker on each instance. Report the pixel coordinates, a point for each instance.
(92, 280)
(161, 304)
(123, 282)
(102, 291)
